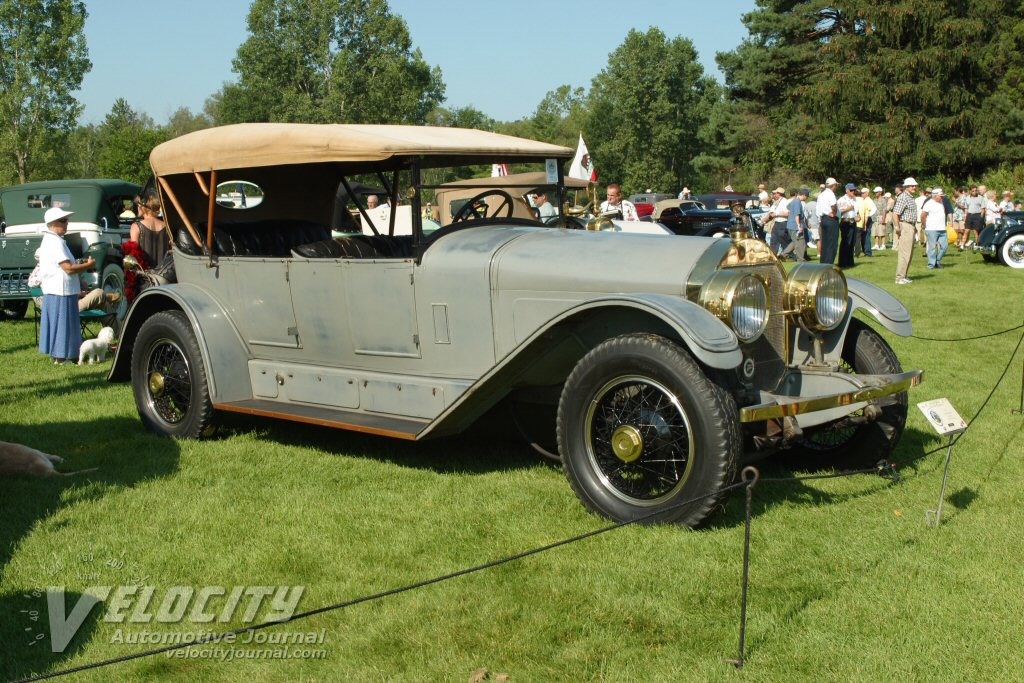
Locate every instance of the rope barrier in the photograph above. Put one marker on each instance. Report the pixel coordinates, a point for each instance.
(984, 403)
(981, 336)
(883, 468)
(214, 638)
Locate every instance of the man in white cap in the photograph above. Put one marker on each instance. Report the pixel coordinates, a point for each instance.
(925, 195)
(935, 219)
(828, 225)
(60, 334)
(847, 206)
(905, 215)
(778, 217)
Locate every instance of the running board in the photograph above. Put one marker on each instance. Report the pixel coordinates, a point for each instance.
(369, 423)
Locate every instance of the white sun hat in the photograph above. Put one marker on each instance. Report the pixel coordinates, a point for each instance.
(55, 214)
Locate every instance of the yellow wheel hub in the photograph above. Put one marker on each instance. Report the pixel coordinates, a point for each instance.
(627, 443)
(156, 383)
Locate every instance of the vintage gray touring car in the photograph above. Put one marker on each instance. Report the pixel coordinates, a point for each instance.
(662, 361)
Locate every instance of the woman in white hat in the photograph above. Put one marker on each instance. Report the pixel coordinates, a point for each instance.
(60, 333)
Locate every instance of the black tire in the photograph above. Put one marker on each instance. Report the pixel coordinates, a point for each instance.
(678, 433)
(1012, 251)
(13, 309)
(112, 281)
(833, 445)
(169, 379)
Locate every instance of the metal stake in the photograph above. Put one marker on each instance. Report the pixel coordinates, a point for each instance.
(1020, 410)
(750, 475)
(936, 514)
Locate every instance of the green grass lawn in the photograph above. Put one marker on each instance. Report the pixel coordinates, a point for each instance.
(846, 581)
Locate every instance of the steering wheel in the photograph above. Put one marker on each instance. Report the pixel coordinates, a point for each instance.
(470, 209)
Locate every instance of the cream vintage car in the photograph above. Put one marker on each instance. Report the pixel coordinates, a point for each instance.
(657, 363)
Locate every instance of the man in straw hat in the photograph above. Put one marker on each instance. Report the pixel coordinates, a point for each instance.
(905, 216)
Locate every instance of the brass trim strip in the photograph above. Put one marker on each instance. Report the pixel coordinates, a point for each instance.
(316, 421)
(773, 410)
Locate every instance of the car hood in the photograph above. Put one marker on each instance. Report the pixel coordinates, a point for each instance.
(578, 261)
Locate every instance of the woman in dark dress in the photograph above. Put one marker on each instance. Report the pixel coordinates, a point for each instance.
(149, 231)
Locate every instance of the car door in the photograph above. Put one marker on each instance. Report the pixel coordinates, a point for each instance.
(382, 307)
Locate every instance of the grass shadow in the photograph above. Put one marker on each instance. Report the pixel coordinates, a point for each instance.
(479, 450)
(30, 638)
(31, 503)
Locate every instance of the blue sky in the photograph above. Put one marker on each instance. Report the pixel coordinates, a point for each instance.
(501, 57)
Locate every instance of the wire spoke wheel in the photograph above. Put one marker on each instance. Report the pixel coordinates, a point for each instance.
(831, 437)
(169, 378)
(854, 441)
(169, 384)
(644, 433)
(639, 439)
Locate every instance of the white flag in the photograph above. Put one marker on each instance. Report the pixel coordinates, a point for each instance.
(499, 170)
(582, 167)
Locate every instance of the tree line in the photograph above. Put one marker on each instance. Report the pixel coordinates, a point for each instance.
(863, 90)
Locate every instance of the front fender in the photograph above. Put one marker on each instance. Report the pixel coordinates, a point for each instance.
(547, 356)
(707, 337)
(225, 354)
(887, 309)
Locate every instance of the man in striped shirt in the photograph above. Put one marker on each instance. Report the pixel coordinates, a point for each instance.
(905, 220)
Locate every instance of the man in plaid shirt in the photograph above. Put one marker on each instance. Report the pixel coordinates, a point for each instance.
(905, 213)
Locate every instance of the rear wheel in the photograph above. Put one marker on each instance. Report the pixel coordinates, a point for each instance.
(169, 379)
(112, 282)
(1013, 251)
(642, 431)
(849, 442)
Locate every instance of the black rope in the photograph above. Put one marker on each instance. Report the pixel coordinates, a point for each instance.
(988, 398)
(882, 468)
(981, 336)
(214, 638)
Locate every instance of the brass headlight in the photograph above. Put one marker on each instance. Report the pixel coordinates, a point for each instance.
(739, 300)
(817, 294)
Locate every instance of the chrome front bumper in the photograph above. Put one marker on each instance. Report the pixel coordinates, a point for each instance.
(871, 387)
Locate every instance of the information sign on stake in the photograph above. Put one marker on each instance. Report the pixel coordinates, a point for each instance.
(944, 419)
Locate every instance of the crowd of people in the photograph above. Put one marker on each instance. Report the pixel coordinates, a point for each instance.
(843, 225)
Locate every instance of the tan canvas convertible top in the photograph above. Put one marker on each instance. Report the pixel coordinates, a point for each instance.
(249, 145)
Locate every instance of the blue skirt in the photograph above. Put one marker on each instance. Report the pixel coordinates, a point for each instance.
(60, 333)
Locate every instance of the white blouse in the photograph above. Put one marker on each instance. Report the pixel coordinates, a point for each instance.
(54, 251)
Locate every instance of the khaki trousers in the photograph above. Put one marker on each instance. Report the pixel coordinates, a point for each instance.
(905, 244)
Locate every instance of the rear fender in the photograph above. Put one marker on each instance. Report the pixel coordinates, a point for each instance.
(225, 354)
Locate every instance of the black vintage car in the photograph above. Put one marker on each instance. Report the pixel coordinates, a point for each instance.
(1004, 240)
(703, 218)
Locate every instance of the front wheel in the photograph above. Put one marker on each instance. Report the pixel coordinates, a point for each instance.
(1013, 251)
(169, 379)
(642, 431)
(852, 441)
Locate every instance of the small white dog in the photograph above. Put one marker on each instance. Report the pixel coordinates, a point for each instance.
(96, 349)
(16, 459)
